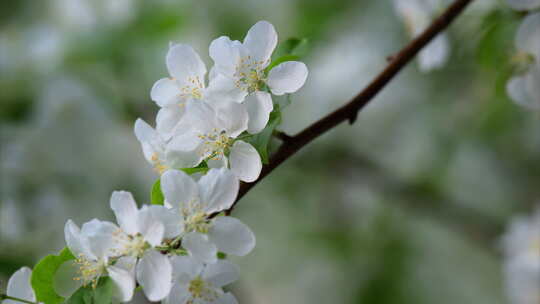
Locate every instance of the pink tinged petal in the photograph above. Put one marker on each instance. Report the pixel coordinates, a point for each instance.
(19, 286)
(178, 188)
(259, 106)
(76, 242)
(199, 247)
(125, 210)
(245, 161)
(221, 273)
(218, 189)
(233, 117)
(165, 92)
(167, 119)
(154, 274)
(64, 281)
(226, 55)
(287, 77)
(179, 295)
(227, 298)
(528, 35)
(261, 40)
(124, 283)
(231, 236)
(183, 62)
(185, 269)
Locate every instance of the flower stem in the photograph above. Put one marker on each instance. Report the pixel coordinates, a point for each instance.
(6, 297)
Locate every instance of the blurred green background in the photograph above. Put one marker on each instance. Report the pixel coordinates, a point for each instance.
(405, 206)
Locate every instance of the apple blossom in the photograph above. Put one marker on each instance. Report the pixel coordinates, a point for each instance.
(195, 282)
(212, 134)
(196, 201)
(240, 71)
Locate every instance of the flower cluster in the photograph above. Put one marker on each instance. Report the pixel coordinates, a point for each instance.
(521, 245)
(176, 251)
(523, 87)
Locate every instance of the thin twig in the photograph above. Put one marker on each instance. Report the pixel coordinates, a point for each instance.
(350, 110)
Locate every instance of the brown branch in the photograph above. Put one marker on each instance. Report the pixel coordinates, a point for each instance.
(350, 110)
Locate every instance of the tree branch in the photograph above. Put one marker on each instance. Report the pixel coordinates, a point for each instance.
(350, 110)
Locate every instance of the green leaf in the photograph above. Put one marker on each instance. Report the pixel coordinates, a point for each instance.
(291, 49)
(156, 196)
(102, 294)
(293, 46)
(198, 169)
(42, 279)
(261, 140)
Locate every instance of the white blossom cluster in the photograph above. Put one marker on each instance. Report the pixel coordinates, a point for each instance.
(521, 245)
(523, 87)
(176, 252)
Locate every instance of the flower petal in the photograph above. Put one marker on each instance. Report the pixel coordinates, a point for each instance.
(173, 224)
(233, 117)
(167, 119)
(125, 210)
(261, 40)
(226, 54)
(218, 189)
(150, 227)
(227, 298)
(19, 286)
(245, 161)
(154, 274)
(231, 236)
(259, 106)
(100, 236)
(287, 77)
(76, 242)
(524, 89)
(179, 295)
(178, 188)
(124, 283)
(199, 247)
(65, 281)
(221, 273)
(165, 92)
(183, 62)
(148, 137)
(185, 268)
(528, 35)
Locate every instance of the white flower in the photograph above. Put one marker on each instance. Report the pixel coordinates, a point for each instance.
(524, 5)
(240, 70)
(19, 286)
(157, 152)
(524, 88)
(195, 201)
(92, 245)
(194, 282)
(521, 246)
(212, 134)
(187, 82)
(141, 230)
(416, 15)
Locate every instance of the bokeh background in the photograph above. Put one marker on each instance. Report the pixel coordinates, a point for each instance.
(407, 205)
